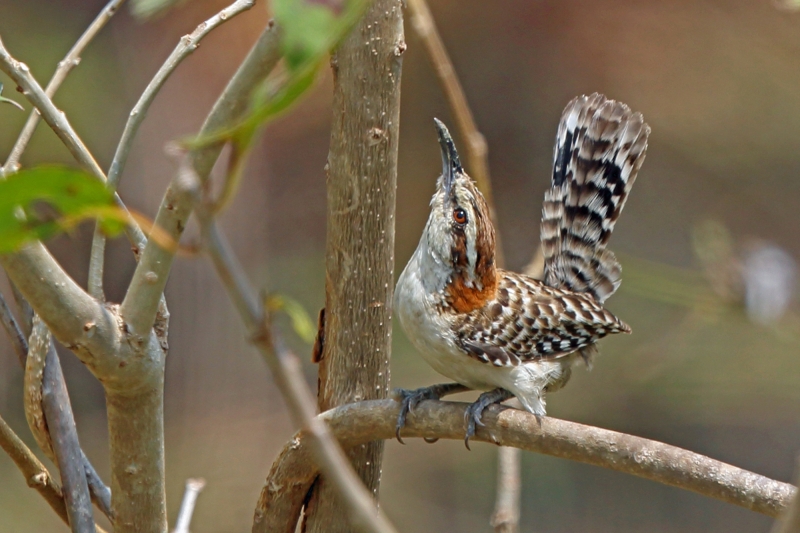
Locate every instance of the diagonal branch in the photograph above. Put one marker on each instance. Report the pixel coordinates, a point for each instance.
(36, 475)
(358, 423)
(185, 47)
(287, 371)
(70, 61)
(141, 301)
(76, 319)
(57, 120)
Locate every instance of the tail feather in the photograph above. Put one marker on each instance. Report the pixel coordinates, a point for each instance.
(599, 149)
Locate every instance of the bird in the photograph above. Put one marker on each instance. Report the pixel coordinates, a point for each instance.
(509, 334)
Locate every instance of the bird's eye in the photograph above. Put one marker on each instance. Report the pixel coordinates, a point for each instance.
(460, 216)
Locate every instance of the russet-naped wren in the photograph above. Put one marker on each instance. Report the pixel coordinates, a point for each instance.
(509, 334)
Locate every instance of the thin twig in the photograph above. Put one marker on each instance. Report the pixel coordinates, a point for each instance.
(476, 148)
(70, 61)
(287, 372)
(294, 470)
(193, 488)
(57, 120)
(100, 493)
(505, 518)
(151, 273)
(18, 341)
(36, 475)
(185, 47)
(64, 440)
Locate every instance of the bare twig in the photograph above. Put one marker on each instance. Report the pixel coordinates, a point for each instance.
(36, 475)
(505, 518)
(148, 280)
(294, 470)
(70, 61)
(64, 440)
(185, 47)
(57, 120)
(287, 371)
(476, 148)
(193, 488)
(15, 335)
(100, 493)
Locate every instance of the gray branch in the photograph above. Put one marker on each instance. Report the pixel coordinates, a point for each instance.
(70, 61)
(294, 470)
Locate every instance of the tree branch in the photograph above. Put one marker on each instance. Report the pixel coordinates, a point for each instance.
(789, 519)
(100, 493)
(287, 372)
(294, 470)
(36, 475)
(15, 335)
(64, 439)
(69, 62)
(141, 300)
(57, 120)
(76, 319)
(185, 47)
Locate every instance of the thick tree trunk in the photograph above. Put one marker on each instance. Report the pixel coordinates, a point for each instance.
(362, 176)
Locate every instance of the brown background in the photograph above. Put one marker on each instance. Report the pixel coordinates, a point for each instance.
(717, 81)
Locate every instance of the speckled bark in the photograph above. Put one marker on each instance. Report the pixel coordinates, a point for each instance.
(362, 175)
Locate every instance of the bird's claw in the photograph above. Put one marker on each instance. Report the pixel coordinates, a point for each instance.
(409, 399)
(475, 410)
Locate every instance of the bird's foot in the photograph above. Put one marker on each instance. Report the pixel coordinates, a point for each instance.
(475, 410)
(409, 399)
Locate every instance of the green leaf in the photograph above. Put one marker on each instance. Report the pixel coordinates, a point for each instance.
(301, 322)
(41, 202)
(145, 9)
(4, 100)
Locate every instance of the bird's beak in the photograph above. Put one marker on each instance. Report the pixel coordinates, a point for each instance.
(451, 165)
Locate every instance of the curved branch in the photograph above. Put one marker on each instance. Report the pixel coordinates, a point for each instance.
(294, 470)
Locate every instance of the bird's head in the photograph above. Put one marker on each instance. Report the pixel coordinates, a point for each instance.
(460, 233)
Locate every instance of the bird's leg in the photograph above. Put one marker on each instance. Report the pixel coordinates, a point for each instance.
(409, 399)
(475, 410)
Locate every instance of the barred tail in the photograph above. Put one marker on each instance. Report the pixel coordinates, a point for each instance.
(599, 149)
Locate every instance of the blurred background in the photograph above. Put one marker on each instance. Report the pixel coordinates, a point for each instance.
(708, 242)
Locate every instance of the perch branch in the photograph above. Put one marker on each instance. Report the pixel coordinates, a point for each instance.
(354, 424)
(70, 61)
(789, 520)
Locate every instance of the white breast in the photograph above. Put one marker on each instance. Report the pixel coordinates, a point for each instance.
(417, 295)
